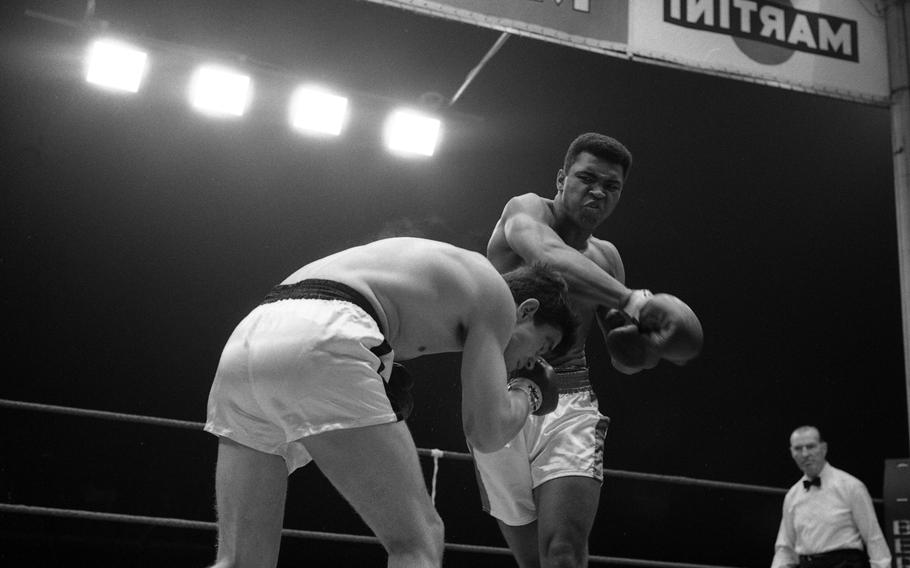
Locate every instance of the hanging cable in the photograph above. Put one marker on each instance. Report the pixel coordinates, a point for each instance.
(467, 81)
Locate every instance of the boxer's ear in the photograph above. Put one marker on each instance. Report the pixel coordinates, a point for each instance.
(526, 310)
(560, 180)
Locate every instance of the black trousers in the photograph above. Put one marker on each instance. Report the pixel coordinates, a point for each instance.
(847, 558)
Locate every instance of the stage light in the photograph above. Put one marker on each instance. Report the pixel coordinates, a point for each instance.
(220, 91)
(317, 111)
(115, 65)
(411, 132)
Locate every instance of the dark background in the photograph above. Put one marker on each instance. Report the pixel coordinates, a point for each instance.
(136, 233)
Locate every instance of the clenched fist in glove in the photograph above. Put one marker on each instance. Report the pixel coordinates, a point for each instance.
(539, 384)
(661, 327)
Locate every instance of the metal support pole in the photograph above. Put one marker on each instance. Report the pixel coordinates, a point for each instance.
(898, 26)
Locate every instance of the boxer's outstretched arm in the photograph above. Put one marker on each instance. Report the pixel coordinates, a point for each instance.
(528, 233)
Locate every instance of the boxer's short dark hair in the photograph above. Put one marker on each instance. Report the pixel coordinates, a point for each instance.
(602, 146)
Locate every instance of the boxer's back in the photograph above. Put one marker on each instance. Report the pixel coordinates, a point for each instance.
(425, 291)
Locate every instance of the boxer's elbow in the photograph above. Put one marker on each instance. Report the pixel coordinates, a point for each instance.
(486, 444)
(483, 437)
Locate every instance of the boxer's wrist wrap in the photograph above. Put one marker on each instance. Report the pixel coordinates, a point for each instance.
(528, 387)
(636, 300)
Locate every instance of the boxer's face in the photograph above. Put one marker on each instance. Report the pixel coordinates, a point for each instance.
(590, 189)
(529, 340)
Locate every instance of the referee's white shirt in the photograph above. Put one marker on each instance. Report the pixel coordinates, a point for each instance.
(837, 515)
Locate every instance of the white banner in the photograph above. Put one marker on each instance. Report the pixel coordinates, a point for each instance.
(829, 47)
(596, 25)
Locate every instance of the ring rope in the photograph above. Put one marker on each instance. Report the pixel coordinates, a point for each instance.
(103, 414)
(432, 453)
(436, 454)
(297, 533)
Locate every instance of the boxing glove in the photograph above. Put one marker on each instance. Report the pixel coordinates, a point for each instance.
(398, 390)
(611, 319)
(663, 327)
(636, 300)
(539, 384)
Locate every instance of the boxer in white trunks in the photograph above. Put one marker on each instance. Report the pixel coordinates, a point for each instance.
(543, 487)
(307, 375)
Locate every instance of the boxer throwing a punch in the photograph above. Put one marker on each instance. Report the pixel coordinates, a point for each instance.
(544, 486)
(309, 375)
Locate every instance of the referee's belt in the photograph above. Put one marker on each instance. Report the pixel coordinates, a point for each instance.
(824, 558)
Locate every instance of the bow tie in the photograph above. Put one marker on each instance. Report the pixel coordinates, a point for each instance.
(807, 483)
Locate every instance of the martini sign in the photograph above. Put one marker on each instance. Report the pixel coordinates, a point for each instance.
(828, 47)
(771, 24)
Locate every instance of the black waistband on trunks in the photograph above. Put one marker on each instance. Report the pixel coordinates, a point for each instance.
(572, 379)
(318, 289)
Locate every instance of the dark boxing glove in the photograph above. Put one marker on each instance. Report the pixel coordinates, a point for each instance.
(610, 319)
(539, 384)
(662, 327)
(398, 389)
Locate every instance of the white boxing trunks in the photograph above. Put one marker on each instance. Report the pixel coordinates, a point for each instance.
(300, 364)
(566, 442)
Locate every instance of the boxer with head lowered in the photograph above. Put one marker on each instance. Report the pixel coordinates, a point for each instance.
(309, 374)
